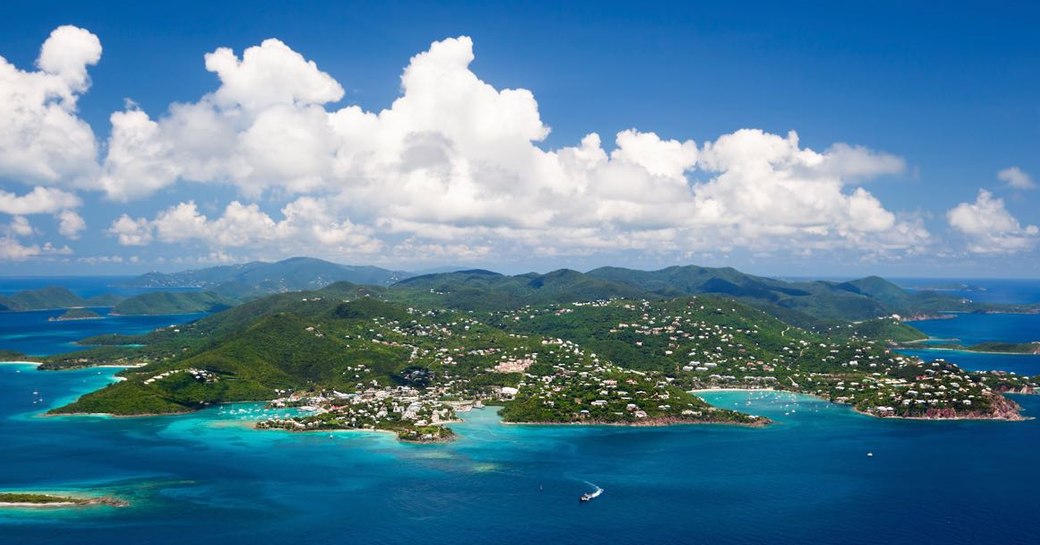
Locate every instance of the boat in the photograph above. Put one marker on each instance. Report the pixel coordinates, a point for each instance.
(589, 496)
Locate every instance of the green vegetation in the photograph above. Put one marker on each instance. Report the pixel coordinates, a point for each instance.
(51, 298)
(609, 347)
(20, 497)
(364, 360)
(1007, 348)
(11, 355)
(259, 278)
(172, 302)
(77, 314)
(44, 500)
(813, 305)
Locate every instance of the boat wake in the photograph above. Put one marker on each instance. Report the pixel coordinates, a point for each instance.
(589, 496)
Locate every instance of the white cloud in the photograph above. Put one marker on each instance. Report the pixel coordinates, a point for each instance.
(71, 224)
(1016, 178)
(990, 228)
(455, 163)
(20, 227)
(267, 75)
(42, 141)
(263, 127)
(305, 221)
(131, 232)
(12, 250)
(41, 200)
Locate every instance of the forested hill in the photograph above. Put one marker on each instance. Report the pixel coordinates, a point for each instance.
(261, 278)
(52, 297)
(611, 361)
(801, 303)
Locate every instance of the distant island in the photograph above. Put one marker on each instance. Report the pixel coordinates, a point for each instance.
(76, 314)
(608, 347)
(30, 499)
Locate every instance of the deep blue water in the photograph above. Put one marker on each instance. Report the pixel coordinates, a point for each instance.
(969, 329)
(32, 333)
(987, 290)
(207, 478)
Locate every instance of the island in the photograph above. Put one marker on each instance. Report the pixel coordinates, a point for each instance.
(39, 500)
(561, 348)
(76, 314)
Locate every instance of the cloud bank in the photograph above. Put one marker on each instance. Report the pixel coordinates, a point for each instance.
(454, 169)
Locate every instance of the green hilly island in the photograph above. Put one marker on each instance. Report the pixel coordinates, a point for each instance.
(564, 347)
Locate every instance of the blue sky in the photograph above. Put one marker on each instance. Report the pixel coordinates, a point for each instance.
(905, 117)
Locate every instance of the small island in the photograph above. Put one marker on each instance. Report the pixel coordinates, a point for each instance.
(76, 314)
(33, 499)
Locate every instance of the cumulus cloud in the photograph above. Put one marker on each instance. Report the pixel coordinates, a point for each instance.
(131, 232)
(70, 224)
(13, 250)
(1016, 178)
(20, 227)
(989, 227)
(42, 140)
(455, 164)
(41, 200)
(305, 220)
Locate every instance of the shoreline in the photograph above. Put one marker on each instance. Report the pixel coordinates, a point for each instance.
(649, 423)
(708, 390)
(946, 418)
(59, 500)
(969, 351)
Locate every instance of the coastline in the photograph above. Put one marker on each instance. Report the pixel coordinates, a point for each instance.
(58, 500)
(769, 389)
(963, 350)
(648, 423)
(1019, 418)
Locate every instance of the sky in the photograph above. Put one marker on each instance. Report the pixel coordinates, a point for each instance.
(780, 138)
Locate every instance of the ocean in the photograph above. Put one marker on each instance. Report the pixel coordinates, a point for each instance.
(208, 478)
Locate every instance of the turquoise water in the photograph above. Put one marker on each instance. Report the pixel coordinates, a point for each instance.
(205, 478)
(209, 478)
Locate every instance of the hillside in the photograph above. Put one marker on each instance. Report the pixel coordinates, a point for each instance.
(172, 302)
(259, 278)
(52, 297)
(816, 304)
(486, 290)
(359, 353)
